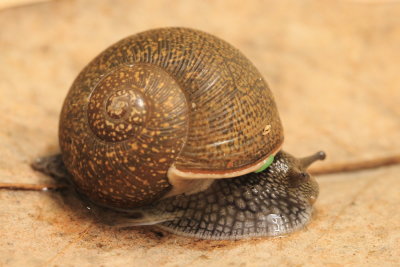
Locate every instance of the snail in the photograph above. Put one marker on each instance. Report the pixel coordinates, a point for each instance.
(176, 127)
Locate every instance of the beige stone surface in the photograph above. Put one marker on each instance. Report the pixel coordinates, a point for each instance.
(333, 67)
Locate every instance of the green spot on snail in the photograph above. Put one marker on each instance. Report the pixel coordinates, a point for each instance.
(266, 164)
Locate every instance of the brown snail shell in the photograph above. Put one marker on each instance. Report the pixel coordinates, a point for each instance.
(164, 105)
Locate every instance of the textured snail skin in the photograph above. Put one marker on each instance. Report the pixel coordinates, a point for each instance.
(161, 98)
(274, 202)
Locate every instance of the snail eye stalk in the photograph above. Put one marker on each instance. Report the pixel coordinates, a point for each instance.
(307, 161)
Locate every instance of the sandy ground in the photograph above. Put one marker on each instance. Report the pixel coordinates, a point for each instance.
(332, 66)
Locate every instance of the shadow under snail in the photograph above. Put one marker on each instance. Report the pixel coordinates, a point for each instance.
(176, 127)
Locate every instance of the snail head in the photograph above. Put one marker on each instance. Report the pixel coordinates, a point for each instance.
(292, 172)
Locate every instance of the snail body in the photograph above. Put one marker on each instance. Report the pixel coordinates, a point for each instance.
(164, 121)
(274, 202)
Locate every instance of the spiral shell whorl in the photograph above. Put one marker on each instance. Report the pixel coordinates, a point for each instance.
(117, 108)
(134, 128)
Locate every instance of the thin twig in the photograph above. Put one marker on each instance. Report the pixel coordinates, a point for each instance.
(356, 165)
(328, 169)
(32, 187)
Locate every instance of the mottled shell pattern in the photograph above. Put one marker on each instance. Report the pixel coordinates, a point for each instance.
(165, 98)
